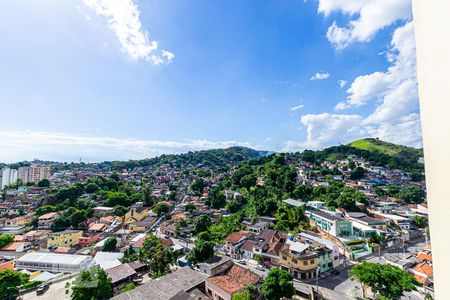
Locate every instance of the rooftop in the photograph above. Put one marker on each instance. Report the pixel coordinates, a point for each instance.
(120, 272)
(165, 287)
(54, 258)
(234, 279)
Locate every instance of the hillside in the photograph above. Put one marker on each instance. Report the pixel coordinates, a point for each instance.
(215, 158)
(371, 144)
(378, 152)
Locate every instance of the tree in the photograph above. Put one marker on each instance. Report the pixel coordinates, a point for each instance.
(197, 186)
(189, 208)
(5, 239)
(45, 209)
(420, 221)
(278, 284)
(357, 173)
(10, 280)
(117, 198)
(44, 183)
(387, 280)
(202, 250)
(157, 258)
(120, 210)
(93, 283)
(202, 223)
(161, 209)
(232, 206)
(148, 198)
(110, 245)
(412, 194)
(91, 188)
(250, 292)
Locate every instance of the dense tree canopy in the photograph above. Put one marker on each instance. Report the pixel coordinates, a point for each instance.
(278, 284)
(110, 245)
(386, 280)
(90, 284)
(10, 280)
(157, 258)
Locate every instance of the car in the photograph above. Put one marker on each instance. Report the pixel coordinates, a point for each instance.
(260, 268)
(242, 262)
(42, 289)
(334, 272)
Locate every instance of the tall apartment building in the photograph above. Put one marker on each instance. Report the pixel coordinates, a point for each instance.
(33, 173)
(8, 176)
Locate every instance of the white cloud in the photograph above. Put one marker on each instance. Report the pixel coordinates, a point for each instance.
(342, 83)
(396, 87)
(394, 118)
(320, 76)
(123, 19)
(267, 140)
(294, 108)
(372, 16)
(27, 145)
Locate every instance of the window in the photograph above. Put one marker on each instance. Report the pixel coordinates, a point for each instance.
(284, 257)
(312, 261)
(294, 261)
(305, 262)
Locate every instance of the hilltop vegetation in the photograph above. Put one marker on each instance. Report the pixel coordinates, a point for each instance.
(377, 152)
(216, 158)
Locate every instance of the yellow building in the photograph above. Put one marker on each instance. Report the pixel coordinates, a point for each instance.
(299, 260)
(64, 238)
(19, 221)
(136, 214)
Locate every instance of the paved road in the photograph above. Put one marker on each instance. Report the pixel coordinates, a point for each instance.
(56, 291)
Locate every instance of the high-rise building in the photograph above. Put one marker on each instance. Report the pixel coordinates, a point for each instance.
(34, 173)
(8, 176)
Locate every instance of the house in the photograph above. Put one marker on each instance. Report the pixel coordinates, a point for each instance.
(215, 265)
(136, 214)
(299, 260)
(233, 242)
(108, 260)
(334, 225)
(316, 204)
(268, 245)
(398, 260)
(168, 286)
(17, 247)
(85, 241)
(19, 221)
(97, 227)
(232, 281)
(121, 274)
(257, 227)
(329, 244)
(46, 221)
(142, 225)
(423, 273)
(64, 238)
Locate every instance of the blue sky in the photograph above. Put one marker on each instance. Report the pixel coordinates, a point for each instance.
(124, 79)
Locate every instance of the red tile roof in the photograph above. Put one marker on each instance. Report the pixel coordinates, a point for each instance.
(234, 237)
(235, 279)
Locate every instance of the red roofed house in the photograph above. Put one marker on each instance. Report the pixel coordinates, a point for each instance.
(233, 242)
(46, 220)
(232, 281)
(423, 273)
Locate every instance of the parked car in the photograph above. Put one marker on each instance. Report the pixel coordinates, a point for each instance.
(334, 272)
(242, 262)
(260, 268)
(42, 289)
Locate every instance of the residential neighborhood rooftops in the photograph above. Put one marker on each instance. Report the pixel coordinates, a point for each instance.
(325, 215)
(48, 215)
(294, 202)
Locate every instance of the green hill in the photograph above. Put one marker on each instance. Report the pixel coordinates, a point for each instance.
(371, 144)
(215, 158)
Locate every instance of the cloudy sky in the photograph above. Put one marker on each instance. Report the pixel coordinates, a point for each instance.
(121, 79)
